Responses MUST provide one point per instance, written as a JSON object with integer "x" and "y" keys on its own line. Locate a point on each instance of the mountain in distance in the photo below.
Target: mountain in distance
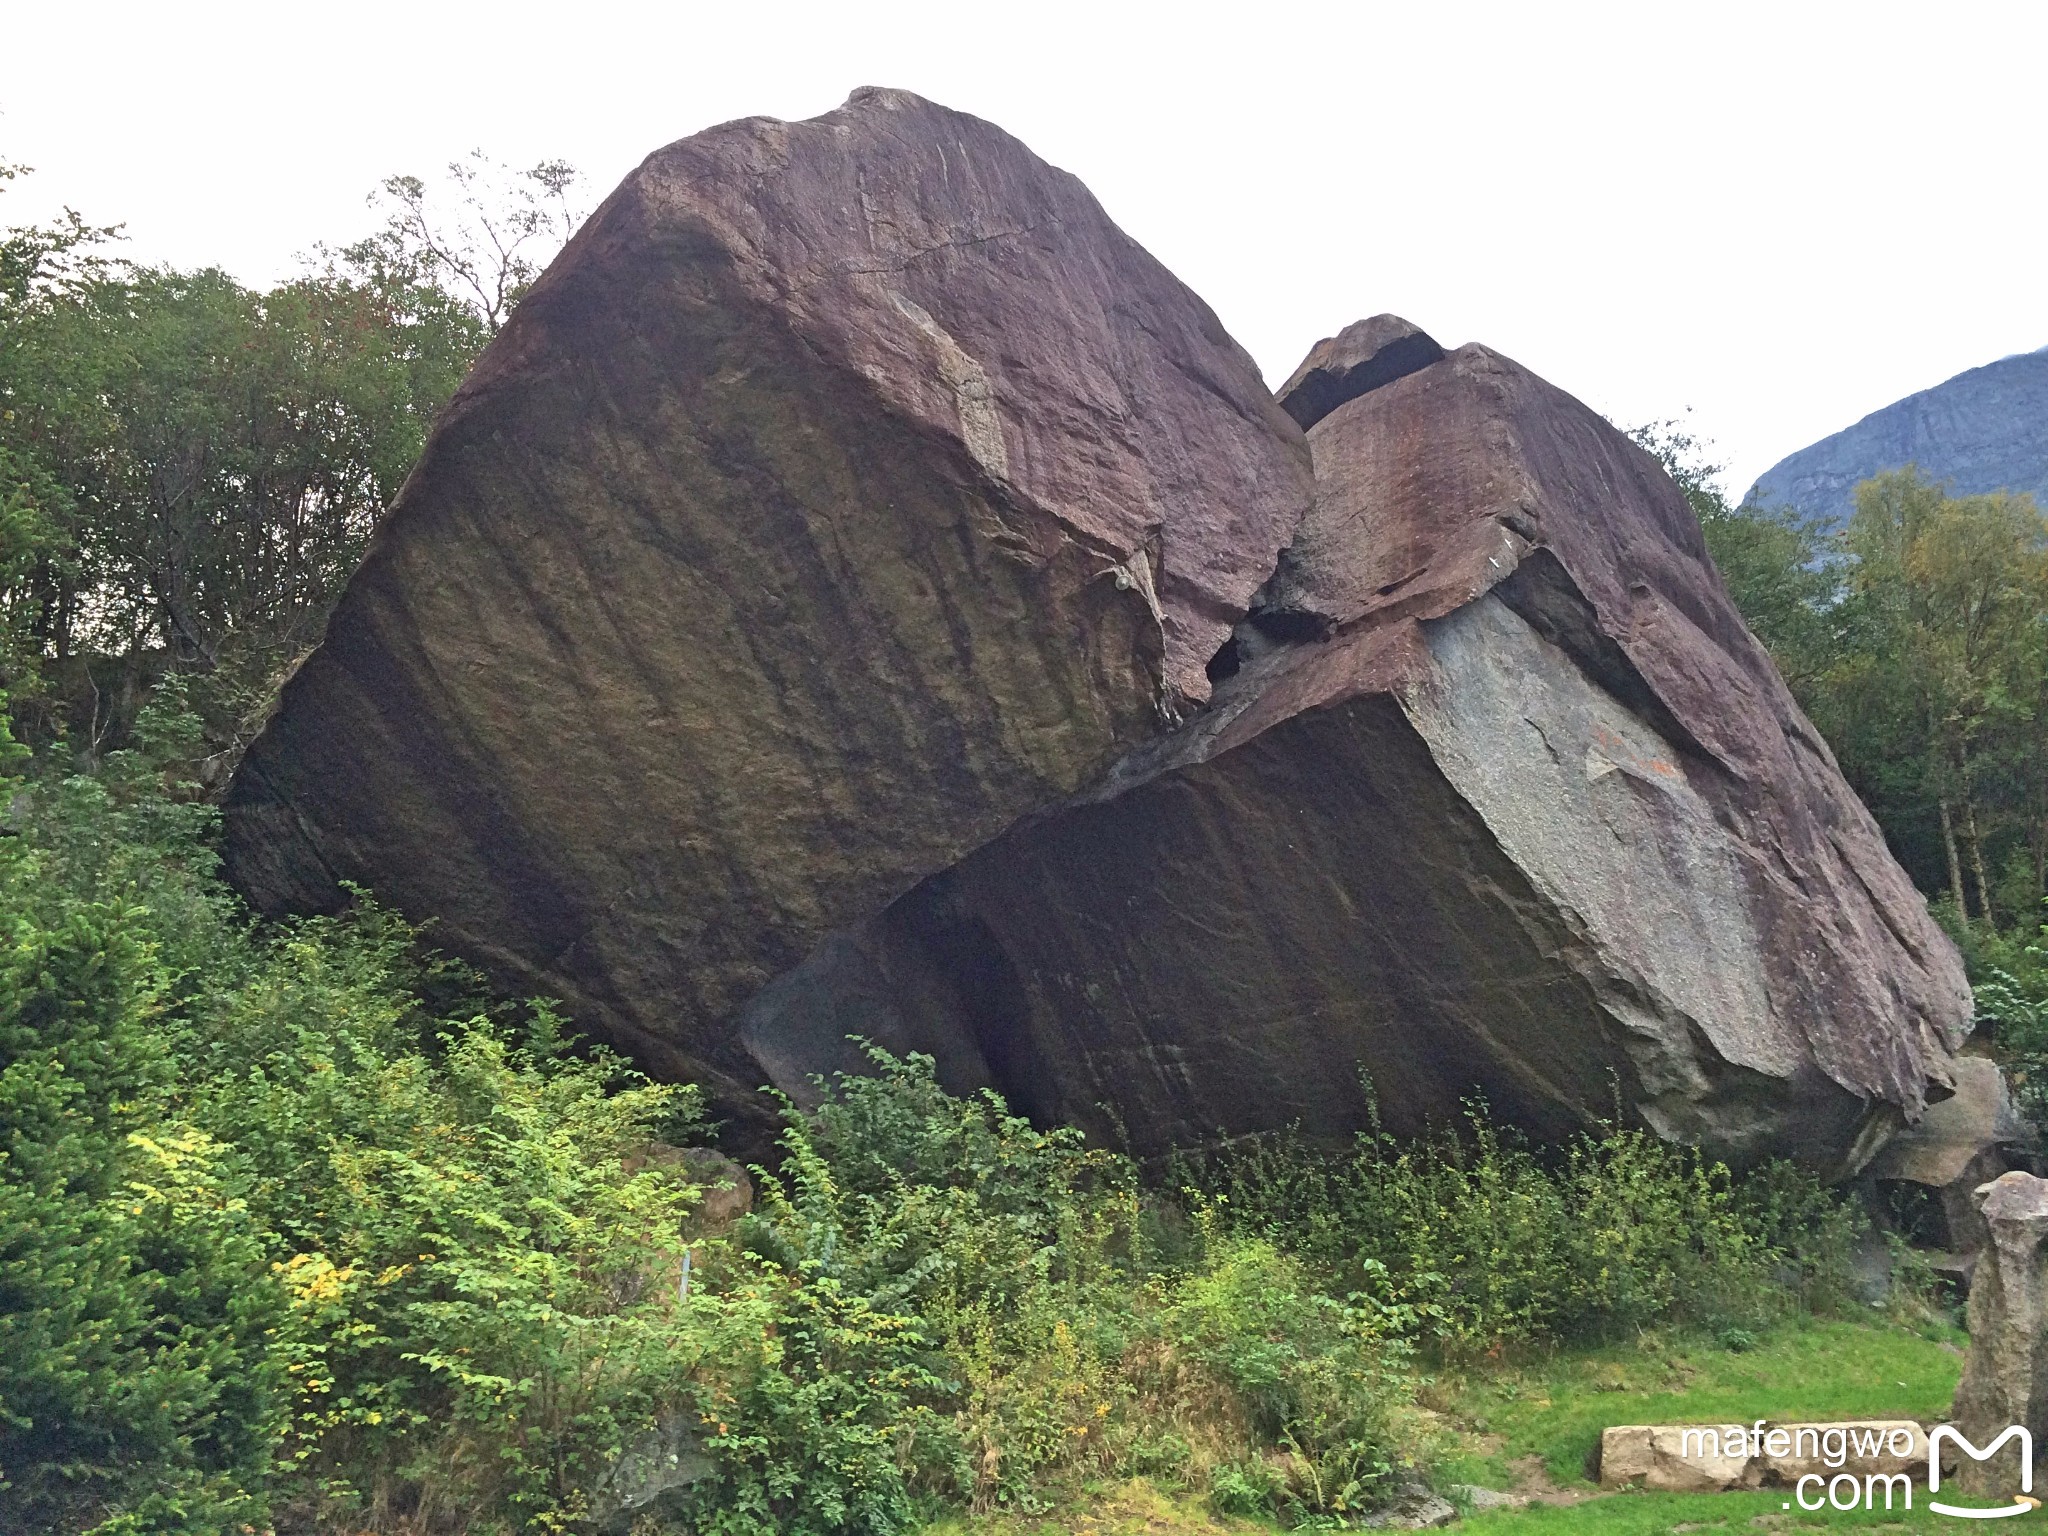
{"x": 1984, "y": 430}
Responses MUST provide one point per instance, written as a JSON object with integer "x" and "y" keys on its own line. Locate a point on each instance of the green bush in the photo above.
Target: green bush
{"x": 1321, "y": 1381}
{"x": 492, "y": 1314}
{"x": 134, "y": 1374}
{"x": 1493, "y": 1245}
{"x": 993, "y": 1284}
{"x": 2010, "y": 972}
{"x": 276, "y": 1232}
{"x": 297, "y": 1226}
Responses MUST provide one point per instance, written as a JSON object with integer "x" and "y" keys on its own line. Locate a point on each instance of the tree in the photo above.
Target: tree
{"x": 189, "y": 468}
{"x": 40, "y": 266}
{"x": 487, "y": 248}
{"x": 221, "y": 456}
{"x": 1934, "y": 682}
{"x": 1777, "y": 566}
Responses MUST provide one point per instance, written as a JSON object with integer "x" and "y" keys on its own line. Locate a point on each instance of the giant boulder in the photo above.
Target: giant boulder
{"x": 846, "y": 490}
{"x": 1500, "y": 795}
{"x": 862, "y": 594}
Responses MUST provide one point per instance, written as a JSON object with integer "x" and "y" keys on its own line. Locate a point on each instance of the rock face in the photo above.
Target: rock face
{"x": 1361, "y": 357}
{"x": 845, "y": 491}
{"x": 2005, "y": 1376}
{"x": 861, "y": 593}
{"x": 1984, "y": 430}
{"x": 1499, "y": 795}
{"x": 1960, "y": 1145}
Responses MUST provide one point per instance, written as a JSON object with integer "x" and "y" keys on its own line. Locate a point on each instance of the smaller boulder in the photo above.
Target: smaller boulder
{"x": 1361, "y": 357}
{"x": 728, "y": 1194}
{"x": 1961, "y": 1143}
{"x": 1673, "y": 1458}
{"x": 2005, "y": 1375}
{"x": 1713, "y": 1458}
{"x": 1880, "y": 1447}
{"x": 1414, "y": 1507}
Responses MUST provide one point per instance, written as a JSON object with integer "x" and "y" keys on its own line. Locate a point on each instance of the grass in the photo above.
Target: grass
{"x": 1500, "y": 1417}
{"x": 1134, "y": 1508}
{"x": 1140, "y": 1509}
{"x": 1554, "y": 1409}
{"x": 1662, "y": 1514}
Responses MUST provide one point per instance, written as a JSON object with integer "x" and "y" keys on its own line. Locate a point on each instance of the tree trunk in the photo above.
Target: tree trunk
{"x": 1977, "y": 858}
{"x": 1955, "y": 864}
{"x": 183, "y": 637}
{"x": 2037, "y": 830}
{"x": 2040, "y": 870}
{"x": 2038, "y": 837}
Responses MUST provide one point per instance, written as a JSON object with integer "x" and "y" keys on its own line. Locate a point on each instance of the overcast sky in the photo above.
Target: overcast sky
{"x": 1778, "y": 217}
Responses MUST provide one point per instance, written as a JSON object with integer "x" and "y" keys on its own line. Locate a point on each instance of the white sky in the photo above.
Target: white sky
{"x": 1780, "y": 217}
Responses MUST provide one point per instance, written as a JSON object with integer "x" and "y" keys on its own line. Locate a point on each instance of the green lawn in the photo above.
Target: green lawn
{"x": 1661, "y": 1514}
{"x": 1139, "y": 1509}
{"x": 1553, "y": 1409}
{"x": 1134, "y": 1508}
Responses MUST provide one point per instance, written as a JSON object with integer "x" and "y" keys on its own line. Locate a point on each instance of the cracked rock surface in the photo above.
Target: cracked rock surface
{"x": 862, "y": 593}
{"x": 1500, "y": 795}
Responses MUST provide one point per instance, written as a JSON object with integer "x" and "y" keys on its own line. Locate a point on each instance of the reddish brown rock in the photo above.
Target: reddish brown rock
{"x": 1535, "y": 817}
{"x": 804, "y": 623}
{"x": 845, "y": 491}
{"x": 1361, "y": 357}
{"x": 1757, "y": 912}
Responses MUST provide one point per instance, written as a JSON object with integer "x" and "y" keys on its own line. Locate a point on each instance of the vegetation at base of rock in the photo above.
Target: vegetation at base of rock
{"x": 1495, "y": 1246}
{"x": 1529, "y": 1426}
{"x": 296, "y": 1227}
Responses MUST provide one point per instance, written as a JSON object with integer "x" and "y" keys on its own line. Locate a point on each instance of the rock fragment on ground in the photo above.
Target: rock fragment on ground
{"x": 1414, "y": 1507}
{"x": 1484, "y": 1499}
{"x": 726, "y": 1192}
{"x": 1715, "y": 1458}
{"x": 654, "y": 1465}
